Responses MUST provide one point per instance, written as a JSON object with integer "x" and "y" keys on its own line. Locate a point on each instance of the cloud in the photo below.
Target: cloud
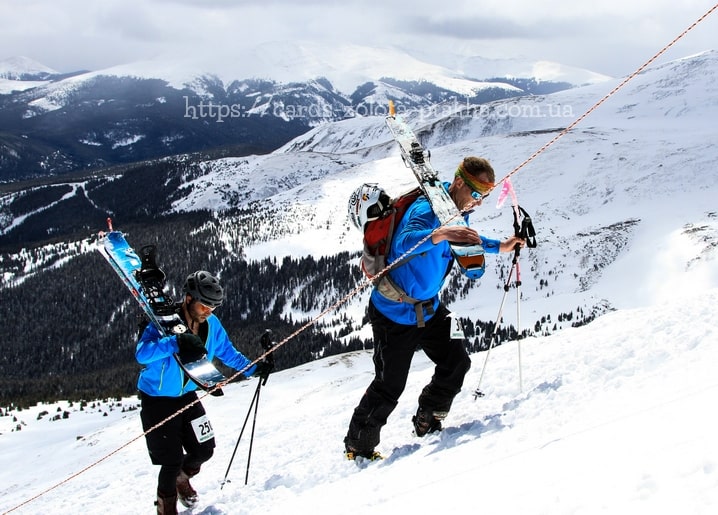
{"x": 136, "y": 25}
{"x": 486, "y": 28}
{"x": 612, "y": 37}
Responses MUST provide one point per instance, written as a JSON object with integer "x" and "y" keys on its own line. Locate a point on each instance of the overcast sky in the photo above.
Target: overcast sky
{"x": 612, "y": 37}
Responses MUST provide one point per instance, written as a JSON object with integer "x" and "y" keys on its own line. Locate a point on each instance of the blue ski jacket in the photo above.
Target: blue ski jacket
{"x": 161, "y": 375}
{"x": 423, "y": 276}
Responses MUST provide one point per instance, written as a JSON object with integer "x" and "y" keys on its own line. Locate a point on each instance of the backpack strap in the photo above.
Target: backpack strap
{"x": 388, "y": 289}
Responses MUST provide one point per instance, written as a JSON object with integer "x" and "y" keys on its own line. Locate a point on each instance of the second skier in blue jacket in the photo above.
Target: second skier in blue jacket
{"x": 180, "y": 444}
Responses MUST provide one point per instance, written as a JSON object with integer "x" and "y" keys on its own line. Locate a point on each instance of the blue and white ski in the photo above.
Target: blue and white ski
{"x": 148, "y": 292}
{"x": 469, "y": 257}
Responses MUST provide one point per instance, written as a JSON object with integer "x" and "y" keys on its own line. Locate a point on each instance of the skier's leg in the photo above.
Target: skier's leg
{"x": 164, "y": 443}
{"x": 197, "y": 439}
{"x": 451, "y": 359}
{"x": 393, "y": 349}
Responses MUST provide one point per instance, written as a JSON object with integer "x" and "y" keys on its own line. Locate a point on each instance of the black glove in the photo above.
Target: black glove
{"x": 190, "y": 344}
{"x": 266, "y": 342}
{"x": 266, "y": 339}
{"x": 264, "y": 368}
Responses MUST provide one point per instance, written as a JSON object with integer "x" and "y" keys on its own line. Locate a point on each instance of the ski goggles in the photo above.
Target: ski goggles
{"x": 206, "y": 307}
{"x": 479, "y": 189}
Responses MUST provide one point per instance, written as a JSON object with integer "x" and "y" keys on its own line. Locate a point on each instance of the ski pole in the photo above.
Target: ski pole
{"x": 518, "y": 317}
{"x": 518, "y": 231}
{"x": 526, "y": 231}
{"x": 528, "y": 234}
{"x": 267, "y": 344}
{"x": 251, "y": 438}
{"x": 478, "y": 393}
{"x": 255, "y": 399}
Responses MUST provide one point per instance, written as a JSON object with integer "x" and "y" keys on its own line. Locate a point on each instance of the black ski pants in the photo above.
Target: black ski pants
{"x": 174, "y": 444}
{"x": 394, "y": 347}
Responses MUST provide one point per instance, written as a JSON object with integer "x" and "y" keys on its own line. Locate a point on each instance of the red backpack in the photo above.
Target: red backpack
{"x": 377, "y": 239}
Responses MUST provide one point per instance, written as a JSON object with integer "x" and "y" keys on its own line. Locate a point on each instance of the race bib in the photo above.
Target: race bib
{"x": 457, "y": 332}
{"x": 202, "y": 429}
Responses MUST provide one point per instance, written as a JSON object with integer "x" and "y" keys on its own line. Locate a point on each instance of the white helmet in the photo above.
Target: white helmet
{"x": 367, "y": 203}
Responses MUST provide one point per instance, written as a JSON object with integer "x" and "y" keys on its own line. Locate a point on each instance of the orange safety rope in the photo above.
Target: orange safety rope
{"x": 608, "y": 95}
{"x": 346, "y": 298}
{"x": 364, "y": 284}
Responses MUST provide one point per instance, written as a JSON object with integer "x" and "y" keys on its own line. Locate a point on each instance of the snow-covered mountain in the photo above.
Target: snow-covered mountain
{"x": 612, "y": 417}
{"x": 21, "y": 68}
{"x": 346, "y": 66}
{"x": 255, "y": 102}
{"x": 631, "y": 188}
{"x": 21, "y": 73}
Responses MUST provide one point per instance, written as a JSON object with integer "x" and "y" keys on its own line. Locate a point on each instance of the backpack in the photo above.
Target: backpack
{"x": 378, "y": 234}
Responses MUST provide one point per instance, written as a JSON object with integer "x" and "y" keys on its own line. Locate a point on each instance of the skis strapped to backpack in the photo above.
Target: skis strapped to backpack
{"x": 146, "y": 282}
{"x": 469, "y": 257}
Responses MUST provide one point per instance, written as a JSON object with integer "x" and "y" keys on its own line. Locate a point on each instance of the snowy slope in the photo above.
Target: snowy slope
{"x": 17, "y": 68}
{"x": 9, "y": 86}
{"x": 633, "y": 184}
{"x": 614, "y": 417}
{"x": 21, "y": 73}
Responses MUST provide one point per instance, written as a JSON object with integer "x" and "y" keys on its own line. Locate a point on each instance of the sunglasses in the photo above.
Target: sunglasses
{"x": 478, "y": 196}
{"x": 479, "y": 189}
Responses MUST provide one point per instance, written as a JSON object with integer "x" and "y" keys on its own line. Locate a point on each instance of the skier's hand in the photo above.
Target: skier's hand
{"x": 266, "y": 342}
{"x": 190, "y": 343}
{"x": 510, "y": 244}
{"x": 266, "y": 339}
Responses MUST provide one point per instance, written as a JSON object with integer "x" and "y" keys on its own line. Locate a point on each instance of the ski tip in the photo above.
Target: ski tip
{"x": 392, "y": 109}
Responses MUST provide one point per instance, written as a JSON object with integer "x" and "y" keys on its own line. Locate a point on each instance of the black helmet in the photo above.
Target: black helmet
{"x": 204, "y": 287}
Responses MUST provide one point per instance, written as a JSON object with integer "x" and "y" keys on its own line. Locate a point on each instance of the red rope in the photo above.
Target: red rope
{"x": 608, "y": 95}
{"x": 366, "y": 283}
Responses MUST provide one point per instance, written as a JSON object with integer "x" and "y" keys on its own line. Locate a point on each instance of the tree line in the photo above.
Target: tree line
{"x": 70, "y": 329}
{"x": 70, "y": 326}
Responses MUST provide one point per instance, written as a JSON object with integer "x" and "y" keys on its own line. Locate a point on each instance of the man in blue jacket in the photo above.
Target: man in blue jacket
{"x": 182, "y": 444}
{"x": 397, "y": 330}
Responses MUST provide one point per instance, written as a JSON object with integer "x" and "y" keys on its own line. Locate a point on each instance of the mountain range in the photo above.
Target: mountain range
{"x": 53, "y": 123}
{"x": 624, "y": 207}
